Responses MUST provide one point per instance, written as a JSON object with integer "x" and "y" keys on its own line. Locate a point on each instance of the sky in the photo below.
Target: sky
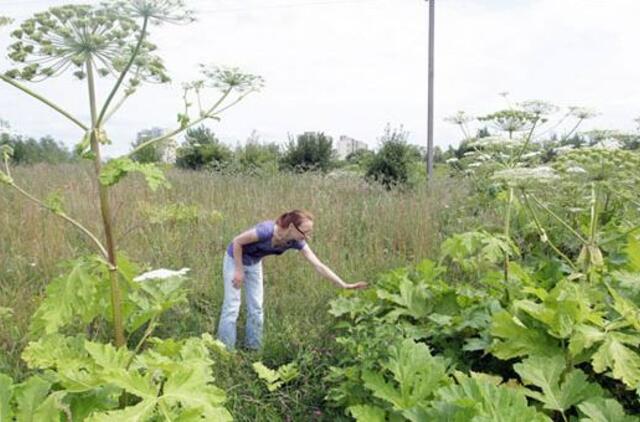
{"x": 349, "y": 67}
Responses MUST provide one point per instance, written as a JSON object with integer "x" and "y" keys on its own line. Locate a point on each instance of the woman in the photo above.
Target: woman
{"x": 243, "y": 266}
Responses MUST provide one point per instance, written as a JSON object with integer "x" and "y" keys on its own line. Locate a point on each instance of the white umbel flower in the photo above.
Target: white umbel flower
{"x": 161, "y": 274}
{"x": 610, "y": 144}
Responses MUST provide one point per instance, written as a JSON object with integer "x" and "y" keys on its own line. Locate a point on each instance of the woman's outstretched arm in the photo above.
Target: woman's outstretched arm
{"x": 326, "y": 272}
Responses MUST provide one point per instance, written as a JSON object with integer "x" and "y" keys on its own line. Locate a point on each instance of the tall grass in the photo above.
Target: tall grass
{"x": 360, "y": 231}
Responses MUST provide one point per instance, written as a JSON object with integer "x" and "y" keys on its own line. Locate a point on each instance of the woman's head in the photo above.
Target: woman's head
{"x": 298, "y": 224}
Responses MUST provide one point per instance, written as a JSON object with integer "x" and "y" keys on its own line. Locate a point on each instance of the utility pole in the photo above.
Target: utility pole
{"x": 430, "y": 95}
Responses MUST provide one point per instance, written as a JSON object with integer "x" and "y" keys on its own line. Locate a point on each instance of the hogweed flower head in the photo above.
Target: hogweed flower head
{"x": 161, "y": 274}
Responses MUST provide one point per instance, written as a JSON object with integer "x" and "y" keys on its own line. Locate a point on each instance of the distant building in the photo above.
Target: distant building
{"x": 167, "y": 147}
{"x": 347, "y": 145}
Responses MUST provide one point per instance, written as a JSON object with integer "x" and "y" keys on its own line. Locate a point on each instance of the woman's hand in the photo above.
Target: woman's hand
{"x": 359, "y": 285}
{"x": 238, "y": 278}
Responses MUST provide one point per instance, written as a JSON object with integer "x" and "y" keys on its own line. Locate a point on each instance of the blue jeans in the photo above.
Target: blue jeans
{"x": 231, "y": 305}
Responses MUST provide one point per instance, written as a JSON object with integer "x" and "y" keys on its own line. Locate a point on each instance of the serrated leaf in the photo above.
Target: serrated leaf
{"x": 584, "y": 337}
{"x": 474, "y": 399}
{"x": 271, "y": 377}
{"x": 546, "y": 374}
{"x": 138, "y": 413}
{"x": 52, "y": 408}
{"x": 6, "y": 384}
{"x": 415, "y": 374}
{"x": 70, "y": 296}
{"x": 599, "y": 409}
{"x": 189, "y": 388}
{"x": 29, "y": 395}
{"x": 623, "y": 361}
{"x": 514, "y": 339}
{"x": 116, "y": 169}
{"x": 633, "y": 253}
{"x": 106, "y": 356}
{"x": 367, "y": 413}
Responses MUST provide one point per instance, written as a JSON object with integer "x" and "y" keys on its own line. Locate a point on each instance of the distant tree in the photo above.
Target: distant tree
{"x": 256, "y": 157}
{"x": 360, "y": 157}
{"x": 310, "y": 151}
{"x": 32, "y": 151}
{"x": 202, "y": 150}
{"x": 153, "y": 153}
{"x": 391, "y": 165}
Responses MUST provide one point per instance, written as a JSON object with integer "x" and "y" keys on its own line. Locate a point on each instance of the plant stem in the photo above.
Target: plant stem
{"x": 143, "y": 32}
{"x": 507, "y": 225}
{"x": 560, "y": 220}
{"x": 207, "y": 115}
{"x": 65, "y": 217}
{"x": 44, "y": 100}
{"x": 147, "y": 333}
{"x": 116, "y": 299}
{"x": 543, "y": 232}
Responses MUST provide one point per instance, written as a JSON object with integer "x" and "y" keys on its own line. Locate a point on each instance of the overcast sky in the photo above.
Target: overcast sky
{"x": 350, "y": 66}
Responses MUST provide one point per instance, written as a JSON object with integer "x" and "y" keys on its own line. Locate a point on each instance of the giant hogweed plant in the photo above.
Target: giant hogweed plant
{"x": 143, "y": 376}
{"x": 562, "y": 323}
{"x": 465, "y": 351}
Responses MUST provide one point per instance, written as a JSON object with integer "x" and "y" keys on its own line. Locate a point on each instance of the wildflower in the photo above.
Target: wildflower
{"x": 524, "y": 175}
{"x": 161, "y": 274}
{"x": 609, "y": 144}
{"x": 530, "y": 155}
{"x": 563, "y": 149}
{"x": 451, "y": 160}
{"x": 576, "y": 170}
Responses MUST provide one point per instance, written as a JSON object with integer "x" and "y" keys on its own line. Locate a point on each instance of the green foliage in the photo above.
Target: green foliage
{"x": 546, "y": 374}
{"x": 479, "y": 398}
{"x": 274, "y": 379}
{"x": 202, "y": 150}
{"x": 391, "y": 165}
{"x": 153, "y": 153}
{"x": 118, "y": 168}
{"x": 258, "y": 158}
{"x": 32, "y": 151}
{"x": 604, "y": 410}
{"x": 310, "y": 151}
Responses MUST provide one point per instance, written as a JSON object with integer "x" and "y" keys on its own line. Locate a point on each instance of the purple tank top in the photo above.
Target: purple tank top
{"x": 252, "y": 253}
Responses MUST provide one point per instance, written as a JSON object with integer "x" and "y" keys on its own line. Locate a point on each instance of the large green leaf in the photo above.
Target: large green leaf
{"x": 141, "y": 412}
{"x": 416, "y": 374}
{"x": 546, "y": 373}
{"x": 116, "y": 169}
{"x": 71, "y": 296}
{"x": 479, "y": 400}
{"x": 599, "y": 409}
{"x": 29, "y": 395}
{"x": 623, "y": 361}
{"x": 367, "y": 413}
{"x": 633, "y": 253}
{"x": 514, "y": 339}
{"x": 6, "y": 384}
{"x": 189, "y": 388}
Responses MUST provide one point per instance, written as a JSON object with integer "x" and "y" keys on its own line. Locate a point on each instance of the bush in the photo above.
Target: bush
{"x": 392, "y": 164}
{"x": 258, "y": 158}
{"x": 151, "y": 153}
{"x": 202, "y": 150}
{"x": 310, "y": 151}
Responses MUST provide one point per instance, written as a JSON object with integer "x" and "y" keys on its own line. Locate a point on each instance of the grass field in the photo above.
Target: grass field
{"x": 360, "y": 231}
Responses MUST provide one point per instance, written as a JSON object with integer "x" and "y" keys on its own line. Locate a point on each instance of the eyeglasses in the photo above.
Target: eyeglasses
{"x": 306, "y": 235}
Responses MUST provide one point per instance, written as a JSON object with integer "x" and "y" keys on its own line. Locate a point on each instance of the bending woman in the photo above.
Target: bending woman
{"x": 243, "y": 266}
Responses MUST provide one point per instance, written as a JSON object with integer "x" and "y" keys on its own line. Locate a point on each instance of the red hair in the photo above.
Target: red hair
{"x": 295, "y": 217}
